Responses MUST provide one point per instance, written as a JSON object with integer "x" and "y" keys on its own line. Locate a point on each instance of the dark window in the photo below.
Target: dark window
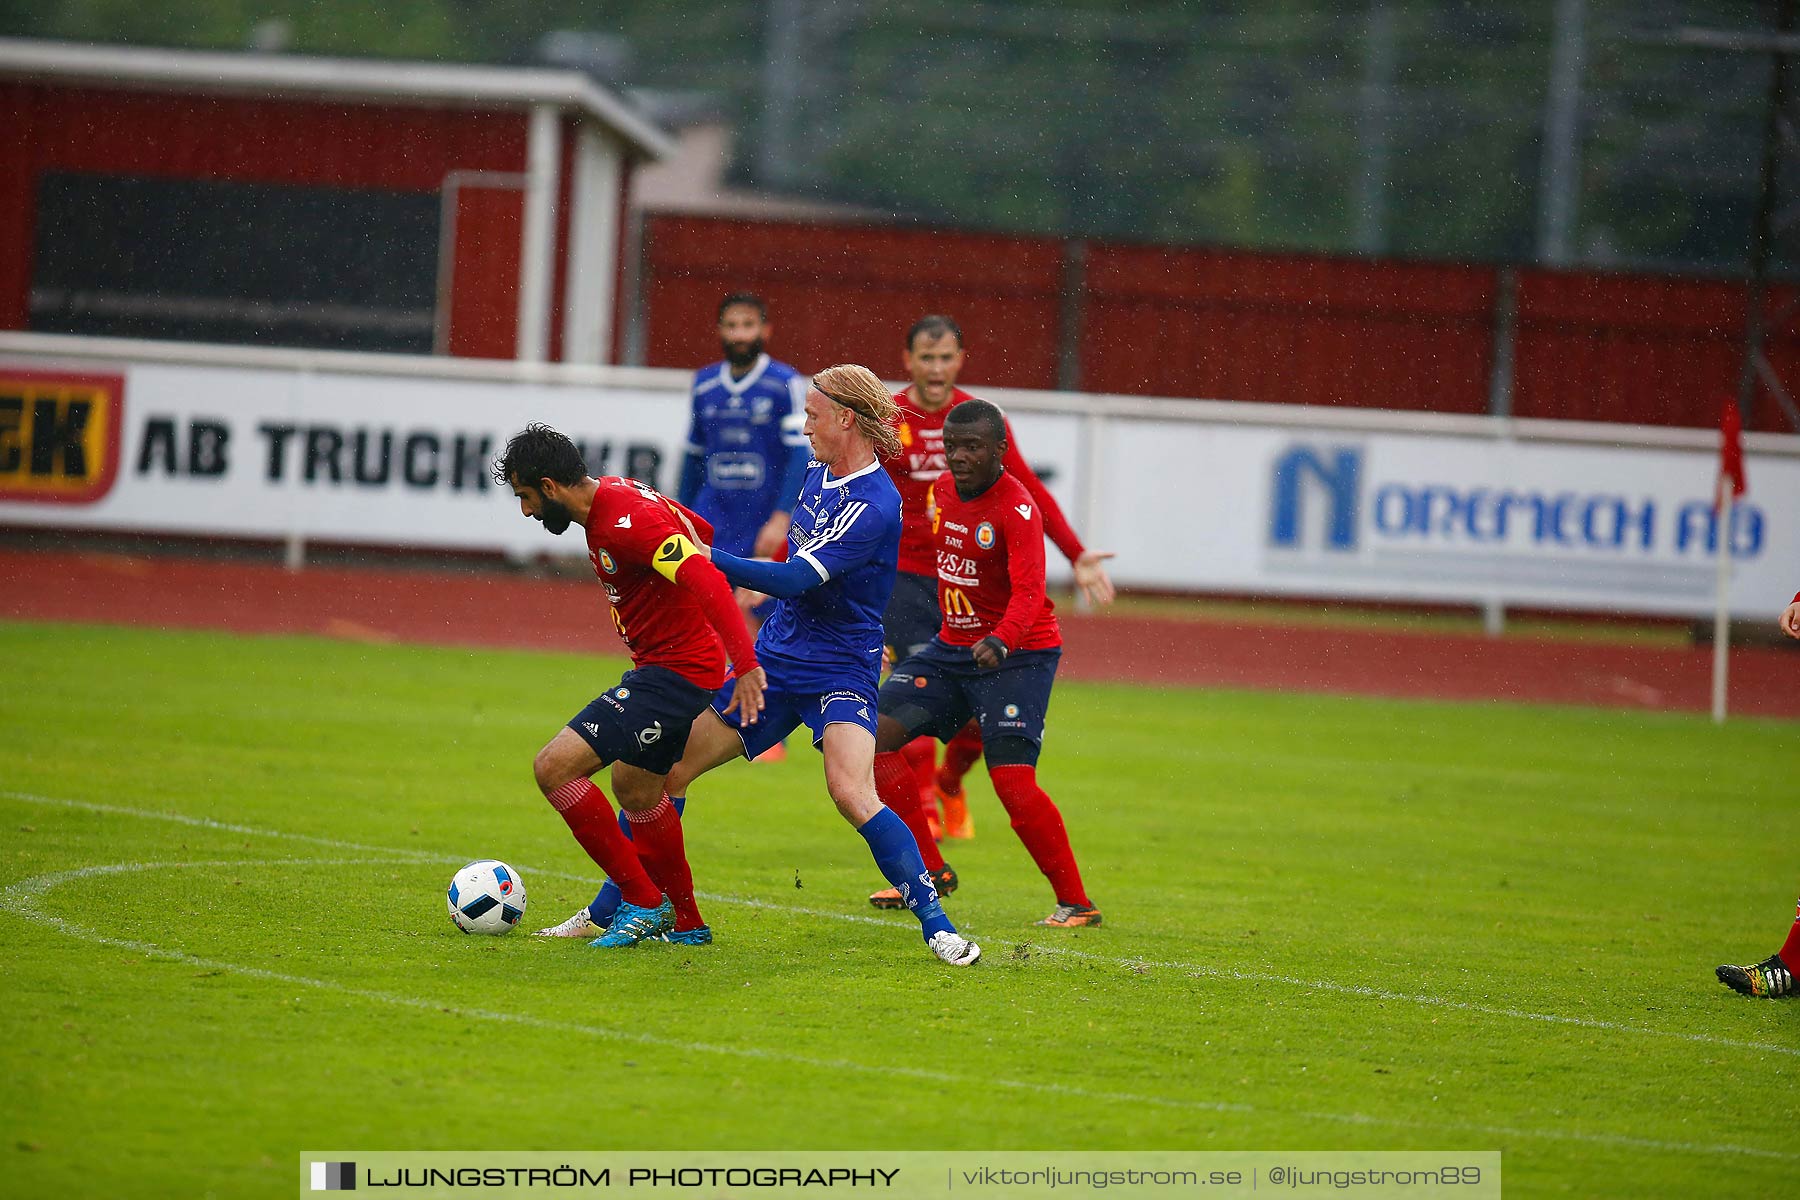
{"x": 201, "y": 260}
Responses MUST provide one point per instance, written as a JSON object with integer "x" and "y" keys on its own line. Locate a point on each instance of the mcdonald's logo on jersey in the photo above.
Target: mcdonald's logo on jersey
{"x": 59, "y": 435}
{"x": 955, "y": 603}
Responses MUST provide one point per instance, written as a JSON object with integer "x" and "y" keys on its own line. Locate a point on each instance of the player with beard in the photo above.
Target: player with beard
{"x": 745, "y": 456}
{"x": 933, "y": 358}
{"x": 674, "y": 611}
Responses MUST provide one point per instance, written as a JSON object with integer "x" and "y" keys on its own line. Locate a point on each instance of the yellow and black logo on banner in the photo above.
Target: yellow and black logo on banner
{"x": 59, "y": 435}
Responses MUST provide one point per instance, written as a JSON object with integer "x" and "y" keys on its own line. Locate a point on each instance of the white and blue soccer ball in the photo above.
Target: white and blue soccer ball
{"x": 487, "y": 897}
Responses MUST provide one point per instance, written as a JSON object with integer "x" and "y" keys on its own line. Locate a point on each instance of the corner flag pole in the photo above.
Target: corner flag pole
{"x": 1721, "y": 665}
{"x": 1729, "y": 487}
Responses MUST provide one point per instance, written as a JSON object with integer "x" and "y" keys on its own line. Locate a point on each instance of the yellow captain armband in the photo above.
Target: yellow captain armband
{"x": 674, "y": 550}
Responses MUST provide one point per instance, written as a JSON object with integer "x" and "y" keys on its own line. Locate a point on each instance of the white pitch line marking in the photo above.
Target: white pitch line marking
{"x": 1201, "y": 969}
{"x": 22, "y": 899}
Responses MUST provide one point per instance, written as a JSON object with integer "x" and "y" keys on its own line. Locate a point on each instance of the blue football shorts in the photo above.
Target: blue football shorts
{"x": 784, "y": 711}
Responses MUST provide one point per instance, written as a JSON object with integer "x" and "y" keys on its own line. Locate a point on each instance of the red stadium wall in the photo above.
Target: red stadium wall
{"x": 1279, "y": 329}
{"x": 103, "y": 131}
{"x": 1217, "y": 324}
{"x": 847, "y": 293}
{"x": 1641, "y": 349}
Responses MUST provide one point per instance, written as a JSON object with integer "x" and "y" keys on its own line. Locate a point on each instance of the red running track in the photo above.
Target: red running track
{"x": 471, "y": 608}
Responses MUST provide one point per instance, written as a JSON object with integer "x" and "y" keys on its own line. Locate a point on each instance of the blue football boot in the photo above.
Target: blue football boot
{"x": 633, "y": 924}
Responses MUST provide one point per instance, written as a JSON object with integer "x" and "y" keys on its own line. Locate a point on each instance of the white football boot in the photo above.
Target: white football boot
{"x": 954, "y": 948}
{"x": 578, "y": 926}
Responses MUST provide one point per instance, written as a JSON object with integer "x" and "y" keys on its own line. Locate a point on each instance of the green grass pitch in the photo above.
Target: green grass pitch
{"x": 1332, "y": 923}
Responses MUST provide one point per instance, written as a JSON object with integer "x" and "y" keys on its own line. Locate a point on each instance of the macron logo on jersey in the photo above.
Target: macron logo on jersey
{"x": 1024, "y": 510}
{"x": 623, "y": 522}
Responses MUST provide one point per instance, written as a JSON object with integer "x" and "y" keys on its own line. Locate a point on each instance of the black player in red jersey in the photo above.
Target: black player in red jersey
{"x": 934, "y": 358}
{"x": 676, "y": 615}
{"x": 994, "y": 658}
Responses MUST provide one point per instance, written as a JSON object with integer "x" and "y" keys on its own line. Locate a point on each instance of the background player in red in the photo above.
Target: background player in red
{"x": 933, "y": 358}
{"x": 675, "y": 613}
{"x": 993, "y": 658}
{"x": 1774, "y": 975}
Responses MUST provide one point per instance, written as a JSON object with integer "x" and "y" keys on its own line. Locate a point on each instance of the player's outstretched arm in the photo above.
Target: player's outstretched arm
{"x": 783, "y": 580}
{"x": 1056, "y": 526}
{"x": 1091, "y": 579}
{"x": 1790, "y": 619}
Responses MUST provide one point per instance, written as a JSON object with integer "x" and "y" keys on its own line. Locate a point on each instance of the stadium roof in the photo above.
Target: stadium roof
{"x": 288, "y": 75}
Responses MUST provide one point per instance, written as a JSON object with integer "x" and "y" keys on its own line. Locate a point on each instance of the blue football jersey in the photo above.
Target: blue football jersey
{"x": 745, "y": 432}
{"x": 848, "y": 530}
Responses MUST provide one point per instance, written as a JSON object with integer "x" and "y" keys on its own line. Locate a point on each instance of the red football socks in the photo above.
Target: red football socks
{"x": 1040, "y": 826}
{"x": 898, "y": 788}
{"x": 961, "y": 754}
{"x": 590, "y": 818}
{"x": 657, "y": 834}
{"x": 921, "y": 759}
{"x": 1790, "y": 949}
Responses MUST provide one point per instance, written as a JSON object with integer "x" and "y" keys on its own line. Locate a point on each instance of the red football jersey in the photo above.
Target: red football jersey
{"x": 990, "y": 567}
{"x": 661, "y": 624}
{"x": 921, "y": 461}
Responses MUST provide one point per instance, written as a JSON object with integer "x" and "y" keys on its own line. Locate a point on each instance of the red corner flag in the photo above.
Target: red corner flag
{"x": 1731, "y": 447}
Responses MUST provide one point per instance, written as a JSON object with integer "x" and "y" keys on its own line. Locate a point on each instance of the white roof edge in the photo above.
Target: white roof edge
{"x": 461, "y": 85}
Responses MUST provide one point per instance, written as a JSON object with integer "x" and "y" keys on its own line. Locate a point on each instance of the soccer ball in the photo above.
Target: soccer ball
{"x": 487, "y": 897}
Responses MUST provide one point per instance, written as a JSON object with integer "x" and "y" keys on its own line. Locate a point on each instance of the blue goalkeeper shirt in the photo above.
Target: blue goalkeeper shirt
{"x": 745, "y": 451}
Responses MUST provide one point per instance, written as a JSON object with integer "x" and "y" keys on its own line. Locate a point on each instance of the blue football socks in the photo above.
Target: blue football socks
{"x": 897, "y": 856}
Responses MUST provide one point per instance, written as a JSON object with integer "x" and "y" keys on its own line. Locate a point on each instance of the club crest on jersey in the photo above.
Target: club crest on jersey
{"x": 1012, "y": 710}
{"x": 622, "y": 693}
{"x": 984, "y": 535}
{"x": 607, "y": 564}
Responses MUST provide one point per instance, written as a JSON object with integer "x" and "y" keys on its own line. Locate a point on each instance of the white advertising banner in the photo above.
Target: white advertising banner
{"x": 1435, "y": 517}
{"x": 347, "y": 458}
{"x": 1214, "y": 503}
